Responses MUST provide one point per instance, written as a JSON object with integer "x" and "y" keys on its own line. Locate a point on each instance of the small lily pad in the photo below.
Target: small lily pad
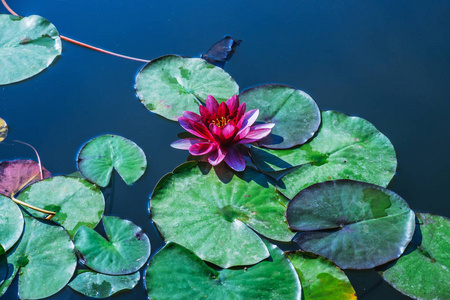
{"x": 75, "y": 201}
{"x": 126, "y": 250}
{"x": 27, "y": 47}
{"x": 294, "y": 113}
{"x": 357, "y": 225}
{"x": 99, "y": 156}
{"x": 172, "y": 84}
{"x": 11, "y": 223}
{"x": 423, "y": 271}
{"x": 100, "y": 286}
{"x": 177, "y": 273}
{"x": 3, "y": 130}
{"x": 320, "y": 277}
{"x": 216, "y": 217}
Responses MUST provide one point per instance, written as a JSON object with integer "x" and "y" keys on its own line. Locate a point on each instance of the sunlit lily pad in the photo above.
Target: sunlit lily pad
{"x": 172, "y": 84}
{"x": 344, "y": 148}
{"x": 423, "y": 271}
{"x": 357, "y": 225}
{"x": 16, "y": 174}
{"x": 126, "y": 250}
{"x": 11, "y": 223}
{"x": 177, "y": 273}
{"x": 295, "y": 114}
{"x": 46, "y": 260}
{"x": 27, "y": 47}
{"x": 218, "y": 220}
{"x": 3, "y": 130}
{"x": 76, "y": 201}
{"x": 98, "y": 157}
{"x": 99, "y": 286}
{"x": 320, "y": 277}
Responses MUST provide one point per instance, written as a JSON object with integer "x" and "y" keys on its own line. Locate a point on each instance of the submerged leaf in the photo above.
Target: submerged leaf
{"x": 11, "y": 223}
{"x": 221, "y": 51}
{"x": 3, "y": 130}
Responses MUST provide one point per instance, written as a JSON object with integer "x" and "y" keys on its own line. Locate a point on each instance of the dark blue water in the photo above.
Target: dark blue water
{"x": 386, "y": 62}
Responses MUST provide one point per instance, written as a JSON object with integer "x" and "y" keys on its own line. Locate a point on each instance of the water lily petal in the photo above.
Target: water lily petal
{"x": 204, "y": 112}
{"x": 217, "y": 156}
{"x": 240, "y": 115}
{"x": 184, "y": 144}
{"x": 202, "y": 148}
{"x": 211, "y": 104}
{"x": 228, "y": 131}
{"x": 223, "y": 110}
{"x": 196, "y": 128}
{"x": 192, "y": 116}
{"x": 256, "y": 133}
{"x": 216, "y": 132}
{"x": 233, "y": 103}
{"x": 235, "y": 159}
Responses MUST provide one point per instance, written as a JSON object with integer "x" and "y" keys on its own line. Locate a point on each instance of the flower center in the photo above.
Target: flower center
{"x": 221, "y": 121}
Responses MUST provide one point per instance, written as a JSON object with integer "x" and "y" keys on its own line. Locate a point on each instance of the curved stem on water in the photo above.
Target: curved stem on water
{"x": 50, "y": 214}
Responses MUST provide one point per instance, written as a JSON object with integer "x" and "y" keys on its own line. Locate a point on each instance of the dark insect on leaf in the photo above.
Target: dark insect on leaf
{"x": 221, "y": 51}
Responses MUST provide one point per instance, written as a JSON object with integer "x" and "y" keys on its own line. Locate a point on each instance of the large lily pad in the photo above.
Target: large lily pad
{"x": 176, "y": 273}
{"x": 295, "y": 114}
{"x": 125, "y": 252}
{"x": 423, "y": 271}
{"x": 355, "y": 224}
{"x": 75, "y": 201}
{"x": 27, "y": 47}
{"x": 344, "y": 148}
{"x": 3, "y": 130}
{"x": 100, "y": 286}
{"x": 11, "y": 223}
{"x": 172, "y": 84}
{"x": 193, "y": 207}
{"x": 16, "y": 174}
{"x": 99, "y": 156}
{"x": 320, "y": 277}
{"x": 46, "y": 260}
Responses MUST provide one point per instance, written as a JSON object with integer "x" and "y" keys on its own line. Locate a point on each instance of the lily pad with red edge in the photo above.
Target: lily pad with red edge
{"x": 11, "y": 223}
{"x": 215, "y": 213}
{"x": 320, "y": 277}
{"x": 423, "y": 271}
{"x": 76, "y": 201}
{"x": 357, "y": 225}
{"x": 3, "y": 130}
{"x": 27, "y": 47}
{"x": 16, "y": 174}
{"x": 126, "y": 250}
{"x": 177, "y": 273}
{"x": 98, "y": 157}
{"x": 172, "y": 84}
{"x": 294, "y": 113}
{"x": 344, "y": 148}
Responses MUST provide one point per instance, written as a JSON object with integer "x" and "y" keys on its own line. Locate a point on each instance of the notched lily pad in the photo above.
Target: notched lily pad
{"x": 355, "y": 224}
{"x": 126, "y": 250}
{"x": 11, "y": 223}
{"x": 27, "y": 47}
{"x": 423, "y": 271}
{"x": 172, "y": 84}
{"x": 100, "y": 286}
{"x": 98, "y": 157}
{"x": 177, "y": 273}
{"x": 3, "y": 130}
{"x": 295, "y": 114}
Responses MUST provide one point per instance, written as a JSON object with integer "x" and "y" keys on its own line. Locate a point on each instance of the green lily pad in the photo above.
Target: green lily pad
{"x": 126, "y": 251}
{"x": 320, "y": 277}
{"x": 99, "y": 286}
{"x": 294, "y": 113}
{"x": 195, "y": 208}
{"x": 355, "y": 224}
{"x": 46, "y": 260}
{"x": 99, "y": 156}
{"x": 27, "y": 47}
{"x": 11, "y": 223}
{"x": 344, "y": 148}
{"x": 172, "y": 84}
{"x": 423, "y": 271}
{"x": 176, "y": 273}
{"x": 76, "y": 201}
{"x": 3, "y": 130}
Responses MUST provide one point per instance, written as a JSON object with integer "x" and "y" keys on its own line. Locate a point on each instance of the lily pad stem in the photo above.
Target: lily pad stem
{"x": 35, "y": 151}
{"x": 51, "y": 214}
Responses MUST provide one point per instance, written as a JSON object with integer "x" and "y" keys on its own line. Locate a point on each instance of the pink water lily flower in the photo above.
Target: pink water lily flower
{"x": 220, "y": 131}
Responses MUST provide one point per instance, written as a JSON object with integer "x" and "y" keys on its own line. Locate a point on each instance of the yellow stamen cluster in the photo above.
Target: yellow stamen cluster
{"x": 221, "y": 121}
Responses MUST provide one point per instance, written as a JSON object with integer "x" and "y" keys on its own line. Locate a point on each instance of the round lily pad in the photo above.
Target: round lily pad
{"x": 11, "y": 223}
{"x": 177, "y": 273}
{"x": 27, "y": 47}
{"x": 126, "y": 250}
{"x": 46, "y": 260}
{"x": 97, "y": 285}
{"x": 357, "y": 225}
{"x": 3, "y": 130}
{"x": 344, "y": 148}
{"x": 423, "y": 271}
{"x": 99, "y": 156}
{"x": 75, "y": 201}
{"x": 217, "y": 218}
{"x": 294, "y": 113}
{"x": 172, "y": 84}
{"x": 320, "y": 277}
